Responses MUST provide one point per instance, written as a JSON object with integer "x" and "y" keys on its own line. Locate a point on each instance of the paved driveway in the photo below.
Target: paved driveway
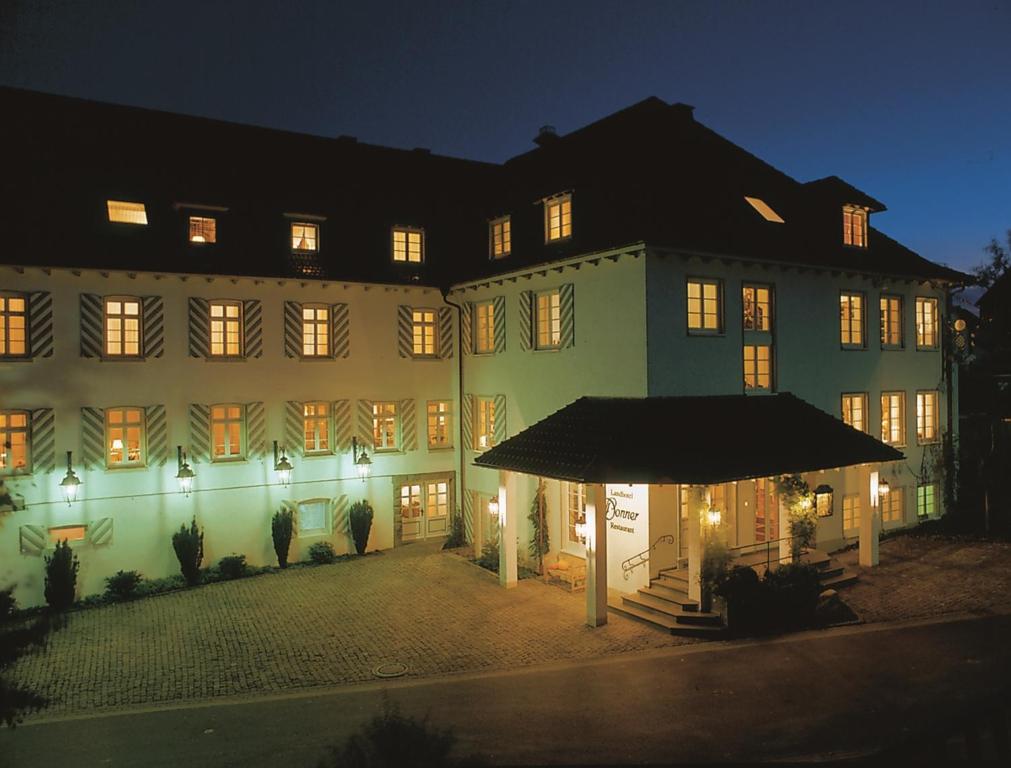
{"x": 326, "y": 625}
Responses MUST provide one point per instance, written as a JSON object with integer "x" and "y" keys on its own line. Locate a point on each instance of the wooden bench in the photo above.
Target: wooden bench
{"x": 567, "y": 570}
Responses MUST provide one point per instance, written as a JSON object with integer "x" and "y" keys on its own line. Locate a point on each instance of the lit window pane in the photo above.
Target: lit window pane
{"x": 126, "y": 213}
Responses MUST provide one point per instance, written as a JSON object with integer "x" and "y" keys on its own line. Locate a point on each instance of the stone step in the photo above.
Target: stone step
{"x": 830, "y": 572}
{"x": 657, "y": 605}
{"x": 674, "y": 596}
{"x": 678, "y": 579}
{"x": 666, "y": 622}
{"x": 837, "y": 582}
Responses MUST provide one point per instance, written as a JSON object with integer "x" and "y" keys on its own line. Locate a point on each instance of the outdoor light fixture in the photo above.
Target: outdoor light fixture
{"x": 960, "y": 325}
{"x": 713, "y": 516}
{"x": 282, "y": 466}
{"x": 493, "y": 505}
{"x": 883, "y": 488}
{"x": 185, "y": 475}
{"x": 71, "y": 483}
{"x": 362, "y": 461}
{"x": 581, "y": 527}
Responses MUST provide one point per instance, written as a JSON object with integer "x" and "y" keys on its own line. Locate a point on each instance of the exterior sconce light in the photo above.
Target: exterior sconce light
{"x": 185, "y": 475}
{"x": 959, "y": 325}
{"x": 362, "y": 461}
{"x": 713, "y": 516}
{"x": 493, "y": 506}
{"x": 282, "y": 466}
{"x": 883, "y": 488}
{"x": 71, "y": 483}
{"x": 580, "y": 527}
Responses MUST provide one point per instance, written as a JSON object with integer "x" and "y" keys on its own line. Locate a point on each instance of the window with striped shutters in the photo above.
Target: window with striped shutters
{"x": 91, "y": 325}
{"x": 341, "y": 330}
{"x": 40, "y": 324}
{"x": 500, "y": 324}
{"x": 408, "y": 425}
{"x": 445, "y": 332}
{"x": 343, "y": 425}
{"x": 153, "y": 323}
{"x": 526, "y": 320}
{"x": 43, "y": 440}
{"x": 93, "y": 438}
{"x": 200, "y": 433}
{"x": 199, "y": 327}
{"x": 467, "y": 327}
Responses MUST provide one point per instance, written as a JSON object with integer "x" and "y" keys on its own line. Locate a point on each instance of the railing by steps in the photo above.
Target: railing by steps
{"x": 642, "y": 558}
{"x": 759, "y": 546}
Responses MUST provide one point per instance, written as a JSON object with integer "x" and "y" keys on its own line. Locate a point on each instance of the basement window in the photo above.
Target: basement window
{"x": 126, "y": 213}
{"x": 764, "y": 209}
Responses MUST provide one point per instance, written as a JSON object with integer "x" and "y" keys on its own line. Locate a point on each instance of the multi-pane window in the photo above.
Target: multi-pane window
{"x": 315, "y": 331}
{"x": 892, "y": 506}
{"x": 926, "y": 417}
{"x": 13, "y": 325}
{"x": 408, "y": 245}
{"x": 226, "y": 328}
{"x": 851, "y": 319}
{"x": 893, "y": 418}
{"x": 384, "y": 426}
{"x": 558, "y": 218}
{"x": 854, "y": 226}
{"x": 548, "y": 319}
{"x": 312, "y": 516}
{"x": 484, "y": 327}
{"x": 437, "y": 499}
{"x": 757, "y": 308}
{"x": 14, "y": 445}
{"x": 317, "y": 427}
{"x": 500, "y": 237}
{"x": 891, "y": 321}
{"x": 226, "y": 432}
{"x": 926, "y": 500}
{"x": 926, "y": 322}
{"x": 575, "y": 505}
{"x": 705, "y": 311}
{"x": 410, "y": 501}
{"x": 440, "y": 424}
{"x": 122, "y": 327}
{"x": 484, "y": 423}
{"x": 126, "y": 213}
{"x": 757, "y": 366}
{"x": 823, "y": 504}
{"x": 304, "y": 237}
{"x": 851, "y": 512}
{"x": 424, "y": 332}
{"x": 124, "y": 437}
{"x": 203, "y": 229}
{"x": 854, "y": 410}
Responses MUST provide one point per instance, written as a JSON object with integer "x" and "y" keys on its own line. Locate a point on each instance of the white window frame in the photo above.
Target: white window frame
{"x": 855, "y": 226}
{"x": 484, "y": 422}
{"x": 227, "y": 420}
{"x": 928, "y": 401}
{"x": 759, "y": 318}
{"x": 558, "y": 208}
{"x": 122, "y": 427}
{"x": 701, "y": 329}
{"x": 317, "y": 428}
{"x": 848, "y": 325}
{"x": 500, "y": 237}
{"x": 307, "y": 234}
{"x": 7, "y": 430}
{"x": 893, "y": 506}
{"x": 408, "y": 234}
{"x": 315, "y": 330}
{"x": 755, "y": 383}
{"x": 222, "y": 324}
{"x": 123, "y": 319}
{"x": 324, "y": 529}
{"x": 922, "y": 327}
{"x": 573, "y": 504}
{"x": 847, "y": 400}
{"x": 484, "y": 327}
{"x": 851, "y": 511}
{"x": 552, "y": 325}
{"x": 382, "y": 414}
{"x": 439, "y": 418}
{"x": 424, "y": 332}
{"x": 6, "y": 315}
{"x": 927, "y": 492}
{"x": 887, "y": 419}
{"x": 891, "y": 320}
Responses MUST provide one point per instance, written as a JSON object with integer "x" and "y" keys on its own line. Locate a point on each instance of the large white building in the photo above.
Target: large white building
{"x": 171, "y": 283}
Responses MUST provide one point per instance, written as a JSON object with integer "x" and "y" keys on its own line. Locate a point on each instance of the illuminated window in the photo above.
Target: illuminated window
{"x": 926, "y": 500}
{"x": 317, "y": 427}
{"x": 437, "y": 499}
{"x": 558, "y": 218}
{"x": 764, "y": 209}
{"x": 926, "y": 417}
{"x": 705, "y": 306}
{"x": 408, "y": 245}
{"x": 124, "y": 437}
{"x": 851, "y": 512}
{"x": 67, "y": 533}
{"x": 854, "y": 410}
{"x": 315, "y": 330}
{"x": 304, "y": 237}
{"x": 226, "y": 328}
{"x": 926, "y": 323}
{"x": 851, "y": 319}
{"x": 757, "y": 366}
{"x": 500, "y": 237}
{"x": 440, "y": 434}
{"x": 484, "y": 431}
{"x": 891, "y": 321}
{"x": 757, "y": 305}
{"x": 892, "y": 506}
{"x": 384, "y": 426}
{"x": 548, "y": 319}
{"x": 410, "y": 501}
{"x": 122, "y": 327}
{"x": 226, "y": 432}
{"x": 14, "y": 442}
{"x": 823, "y": 504}
{"x": 423, "y": 325}
{"x": 126, "y": 213}
{"x": 13, "y": 325}
{"x": 203, "y": 229}
{"x": 313, "y": 517}
{"x": 484, "y": 327}
{"x": 575, "y": 506}
{"x": 854, "y": 226}
{"x": 893, "y": 418}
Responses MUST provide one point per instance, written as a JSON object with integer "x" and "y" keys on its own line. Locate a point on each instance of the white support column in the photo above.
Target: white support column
{"x": 870, "y": 524}
{"x": 696, "y": 500}
{"x": 785, "y": 553}
{"x": 596, "y": 555}
{"x": 508, "y": 511}
{"x": 478, "y": 521}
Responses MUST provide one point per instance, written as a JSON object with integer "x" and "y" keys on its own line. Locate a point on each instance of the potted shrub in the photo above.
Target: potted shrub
{"x": 188, "y": 544}
{"x": 61, "y": 576}
{"x": 360, "y": 517}
{"x": 280, "y": 530}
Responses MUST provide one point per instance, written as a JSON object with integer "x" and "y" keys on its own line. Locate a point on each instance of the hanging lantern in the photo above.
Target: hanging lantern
{"x": 71, "y": 483}
{"x": 282, "y": 466}
{"x": 185, "y": 474}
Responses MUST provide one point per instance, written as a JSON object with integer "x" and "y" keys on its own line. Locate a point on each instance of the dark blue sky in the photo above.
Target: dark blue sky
{"x": 909, "y": 101}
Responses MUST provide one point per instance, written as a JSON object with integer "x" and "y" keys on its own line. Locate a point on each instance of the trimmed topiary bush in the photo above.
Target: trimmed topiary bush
{"x": 61, "y": 576}
{"x": 122, "y": 585}
{"x": 232, "y": 566}
{"x": 281, "y": 527}
{"x": 322, "y": 552}
{"x": 360, "y": 518}
{"x": 489, "y": 556}
{"x": 188, "y": 544}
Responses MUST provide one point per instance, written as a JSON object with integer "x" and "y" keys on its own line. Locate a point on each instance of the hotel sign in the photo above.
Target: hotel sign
{"x": 620, "y": 515}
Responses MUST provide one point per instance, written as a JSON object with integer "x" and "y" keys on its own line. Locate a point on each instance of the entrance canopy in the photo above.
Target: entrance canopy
{"x": 692, "y": 440}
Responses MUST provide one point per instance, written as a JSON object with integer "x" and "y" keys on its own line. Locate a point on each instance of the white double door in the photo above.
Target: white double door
{"x": 424, "y": 509}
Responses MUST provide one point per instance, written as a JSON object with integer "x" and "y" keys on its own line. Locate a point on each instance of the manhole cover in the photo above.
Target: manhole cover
{"x": 390, "y": 669}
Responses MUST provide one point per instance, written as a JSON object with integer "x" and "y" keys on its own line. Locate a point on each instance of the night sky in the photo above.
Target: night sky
{"x": 908, "y": 101}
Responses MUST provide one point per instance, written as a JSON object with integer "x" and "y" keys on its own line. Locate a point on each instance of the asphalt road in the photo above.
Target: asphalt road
{"x": 835, "y": 694}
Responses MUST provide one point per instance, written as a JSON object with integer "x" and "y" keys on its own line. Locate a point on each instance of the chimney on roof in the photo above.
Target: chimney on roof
{"x": 684, "y": 111}
{"x": 545, "y": 136}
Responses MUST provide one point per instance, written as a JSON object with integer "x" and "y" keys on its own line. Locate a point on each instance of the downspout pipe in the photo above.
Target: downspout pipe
{"x": 459, "y": 378}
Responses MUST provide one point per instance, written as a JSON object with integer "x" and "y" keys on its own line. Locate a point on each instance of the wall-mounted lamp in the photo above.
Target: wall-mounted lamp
{"x": 71, "y": 483}
{"x": 713, "y": 517}
{"x": 185, "y": 475}
{"x": 282, "y": 466}
{"x": 363, "y": 464}
{"x": 580, "y": 527}
{"x": 493, "y": 506}
{"x": 883, "y": 488}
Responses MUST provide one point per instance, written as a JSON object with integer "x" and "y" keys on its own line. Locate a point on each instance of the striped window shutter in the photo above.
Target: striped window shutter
{"x": 256, "y": 431}
{"x": 34, "y": 540}
{"x": 340, "y": 507}
{"x": 199, "y": 328}
{"x": 366, "y": 436}
{"x": 43, "y": 440}
{"x": 408, "y": 425}
{"x": 567, "y": 306}
{"x": 467, "y": 327}
{"x": 252, "y": 328}
{"x": 526, "y": 320}
{"x": 468, "y": 514}
{"x": 154, "y": 326}
{"x": 292, "y": 329}
{"x": 340, "y": 331}
{"x": 445, "y": 332}
{"x": 467, "y": 421}
{"x": 91, "y": 325}
{"x": 405, "y": 332}
{"x": 294, "y": 428}
{"x": 100, "y": 532}
{"x": 500, "y": 433}
{"x": 500, "y": 324}
{"x": 157, "y": 435}
{"x": 40, "y": 324}
{"x": 200, "y": 433}
{"x": 342, "y": 425}
{"x": 93, "y": 438}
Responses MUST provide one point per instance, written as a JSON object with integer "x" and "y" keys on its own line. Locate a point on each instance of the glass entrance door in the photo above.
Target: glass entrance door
{"x": 424, "y": 509}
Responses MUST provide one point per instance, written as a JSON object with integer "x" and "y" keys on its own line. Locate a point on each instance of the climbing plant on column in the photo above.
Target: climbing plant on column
{"x": 540, "y": 544}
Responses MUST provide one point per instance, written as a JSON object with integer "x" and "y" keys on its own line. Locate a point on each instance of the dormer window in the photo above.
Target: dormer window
{"x": 854, "y": 227}
{"x": 557, "y": 218}
{"x": 764, "y": 209}
{"x": 304, "y": 237}
{"x": 408, "y": 245}
{"x": 500, "y": 237}
{"x": 203, "y": 229}
{"x": 123, "y": 212}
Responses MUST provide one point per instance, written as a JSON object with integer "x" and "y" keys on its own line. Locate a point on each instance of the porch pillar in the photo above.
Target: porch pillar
{"x": 696, "y": 502}
{"x": 478, "y": 522}
{"x": 508, "y": 510}
{"x": 785, "y": 552}
{"x": 596, "y": 555}
{"x": 870, "y": 524}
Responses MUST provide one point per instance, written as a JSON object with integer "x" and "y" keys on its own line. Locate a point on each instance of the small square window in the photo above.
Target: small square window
{"x": 203, "y": 229}
{"x": 304, "y": 237}
{"x": 408, "y": 245}
{"x": 705, "y": 306}
{"x": 313, "y": 517}
{"x": 126, "y": 213}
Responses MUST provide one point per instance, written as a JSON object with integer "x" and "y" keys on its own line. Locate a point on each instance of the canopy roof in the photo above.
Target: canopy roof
{"x": 697, "y": 440}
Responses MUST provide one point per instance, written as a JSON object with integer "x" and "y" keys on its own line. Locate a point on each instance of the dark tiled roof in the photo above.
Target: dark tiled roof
{"x": 698, "y": 440}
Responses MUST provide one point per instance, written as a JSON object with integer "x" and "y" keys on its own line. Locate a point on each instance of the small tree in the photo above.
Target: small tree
{"x": 280, "y": 530}
{"x": 61, "y": 576}
{"x": 360, "y": 517}
{"x": 539, "y": 543}
{"x": 189, "y": 547}
{"x": 796, "y": 496}
{"x": 998, "y": 262}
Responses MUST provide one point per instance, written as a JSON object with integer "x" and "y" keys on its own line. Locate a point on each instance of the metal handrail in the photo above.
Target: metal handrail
{"x": 642, "y": 558}
{"x": 757, "y": 547}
